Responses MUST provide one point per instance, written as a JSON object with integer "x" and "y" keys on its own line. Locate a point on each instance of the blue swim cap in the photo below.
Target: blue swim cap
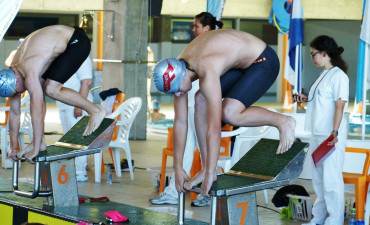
{"x": 7, "y": 83}
{"x": 168, "y": 75}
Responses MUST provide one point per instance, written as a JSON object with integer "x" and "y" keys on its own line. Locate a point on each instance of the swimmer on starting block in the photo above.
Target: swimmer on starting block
{"x": 231, "y": 65}
{"x": 45, "y": 60}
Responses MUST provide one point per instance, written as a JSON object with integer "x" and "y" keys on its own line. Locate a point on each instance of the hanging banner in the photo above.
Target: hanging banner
{"x": 8, "y": 11}
{"x": 365, "y": 27}
{"x": 280, "y": 15}
{"x": 293, "y": 71}
{"x": 216, "y": 8}
{"x": 363, "y": 58}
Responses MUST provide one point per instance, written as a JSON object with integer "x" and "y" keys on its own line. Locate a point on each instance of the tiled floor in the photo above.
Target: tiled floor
{"x": 147, "y": 154}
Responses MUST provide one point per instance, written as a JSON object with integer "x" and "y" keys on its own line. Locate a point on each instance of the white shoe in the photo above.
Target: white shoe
{"x": 164, "y": 198}
{"x": 81, "y": 178}
{"x": 310, "y": 223}
{"x": 201, "y": 201}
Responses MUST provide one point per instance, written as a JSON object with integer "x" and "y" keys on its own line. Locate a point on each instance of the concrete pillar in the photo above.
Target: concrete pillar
{"x": 129, "y": 44}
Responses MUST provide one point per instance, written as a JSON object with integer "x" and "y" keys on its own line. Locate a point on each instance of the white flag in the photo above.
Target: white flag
{"x": 365, "y": 27}
{"x": 8, "y": 11}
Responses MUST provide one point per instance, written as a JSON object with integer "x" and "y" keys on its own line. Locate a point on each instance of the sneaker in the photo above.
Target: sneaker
{"x": 201, "y": 201}
{"x": 164, "y": 198}
{"x": 81, "y": 178}
{"x": 310, "y": 223}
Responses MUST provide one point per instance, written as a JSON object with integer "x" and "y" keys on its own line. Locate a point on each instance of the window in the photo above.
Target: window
{"x": 261, "y": 29}
{"x": 181, "y": 30}
{"x": 26, "y": 23}
{"x": 228, "y": 23}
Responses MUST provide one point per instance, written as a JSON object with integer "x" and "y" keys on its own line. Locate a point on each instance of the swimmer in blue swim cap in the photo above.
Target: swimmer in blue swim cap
{"x": 234, "y": 69}
{"x": 45, "y": 60}
{"x": 168, "y": 75}
{"x": 7, "y": 83}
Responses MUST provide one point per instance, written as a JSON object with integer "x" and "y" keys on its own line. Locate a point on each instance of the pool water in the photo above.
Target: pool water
{"x": 355, "y": 125}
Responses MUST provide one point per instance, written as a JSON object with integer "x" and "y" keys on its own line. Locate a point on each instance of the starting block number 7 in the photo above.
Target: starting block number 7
{"x": 244, "y": 205}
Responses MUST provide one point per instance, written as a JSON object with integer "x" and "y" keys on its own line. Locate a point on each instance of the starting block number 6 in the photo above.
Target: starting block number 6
{"x": 62, "y": 175}
{"x": 244, "y": 205}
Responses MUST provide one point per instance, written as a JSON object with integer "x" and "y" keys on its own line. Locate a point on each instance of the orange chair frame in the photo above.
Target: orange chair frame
{"x": 197, "y": 165}
{"x": 361, "y": 182}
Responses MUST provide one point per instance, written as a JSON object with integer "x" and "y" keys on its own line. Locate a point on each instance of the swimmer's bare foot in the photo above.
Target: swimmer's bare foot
{"x": 207, "y": 184}
{"x": 286, "y": 130}
{"x": 95, "y": 120}
{"x": 29, "y": 148}
{"x": 31, "y": 156}
{"x": 197, "y": 180}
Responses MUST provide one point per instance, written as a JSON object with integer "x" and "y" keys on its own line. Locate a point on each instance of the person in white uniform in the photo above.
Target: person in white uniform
{"x": 327, "y": 102}
{"x": 70, "y": 115}
{"x": 203, "y": 22}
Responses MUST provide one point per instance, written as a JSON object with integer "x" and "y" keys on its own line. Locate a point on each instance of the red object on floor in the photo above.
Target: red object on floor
{"x": 87, "y": 200}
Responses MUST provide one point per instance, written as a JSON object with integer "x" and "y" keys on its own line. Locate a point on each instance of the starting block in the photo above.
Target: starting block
{"x": 233, "y": 195}
{"x": 55, "y": 168}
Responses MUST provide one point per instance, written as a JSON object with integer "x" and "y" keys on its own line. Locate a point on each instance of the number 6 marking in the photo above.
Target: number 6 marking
{"x": 244, "y": 212}
{"x": 62, "y": 175}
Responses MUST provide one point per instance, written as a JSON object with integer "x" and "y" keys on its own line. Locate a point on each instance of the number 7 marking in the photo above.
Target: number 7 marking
{"x": 244, "y": 212}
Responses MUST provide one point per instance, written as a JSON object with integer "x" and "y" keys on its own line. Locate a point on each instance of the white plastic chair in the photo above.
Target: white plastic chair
{"x": 127, "y": 111}
{"x": 26, "y": 126}
{"x": 243, "y": 134}
{"x": 4, "y": 136}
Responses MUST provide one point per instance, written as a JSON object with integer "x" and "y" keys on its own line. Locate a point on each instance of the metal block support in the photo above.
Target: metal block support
{"x": 46, "y": 182}
{"x": 234, "y": 194}
{"x": 62, "y": 180}
{"x": 181, "y": 209}
{"x": 237, "y": 209}
{"x": 55, "y": 168}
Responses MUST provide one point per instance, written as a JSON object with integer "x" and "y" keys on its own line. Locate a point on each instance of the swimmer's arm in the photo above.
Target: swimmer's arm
{"x": 33, "y": 85}
{"x": 211, "y": 89}
{"x": 14, "y": 120}
{"x": 84, "y": 92}
{"x": 180, "y": 129}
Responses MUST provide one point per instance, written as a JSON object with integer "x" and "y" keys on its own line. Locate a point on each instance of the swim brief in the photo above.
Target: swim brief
{"x": 67, "y": 63}
{"x": 250, "y": 84}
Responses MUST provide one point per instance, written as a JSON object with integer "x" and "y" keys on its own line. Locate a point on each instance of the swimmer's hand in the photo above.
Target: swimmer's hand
{"x": 180, "y": 179}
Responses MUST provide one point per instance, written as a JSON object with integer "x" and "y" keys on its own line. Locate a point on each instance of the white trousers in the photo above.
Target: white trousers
{"x": 191, "y": 144}
{"x": 68, "y": 121}
{"x": 328, "y": 184}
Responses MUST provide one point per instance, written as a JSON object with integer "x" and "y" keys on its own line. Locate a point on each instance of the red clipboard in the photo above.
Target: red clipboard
{"x": 323, "y": 151}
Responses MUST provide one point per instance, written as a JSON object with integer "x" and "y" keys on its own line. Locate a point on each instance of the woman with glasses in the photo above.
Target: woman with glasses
{"x": 327, "y": 101}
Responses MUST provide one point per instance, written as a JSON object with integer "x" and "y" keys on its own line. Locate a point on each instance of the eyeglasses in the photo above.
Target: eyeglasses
{"x": 314, "y": 53}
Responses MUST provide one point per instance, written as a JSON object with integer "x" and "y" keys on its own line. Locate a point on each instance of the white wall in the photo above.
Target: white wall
{"x": 317, "y": 9}
{"x": 61, "y": 5}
